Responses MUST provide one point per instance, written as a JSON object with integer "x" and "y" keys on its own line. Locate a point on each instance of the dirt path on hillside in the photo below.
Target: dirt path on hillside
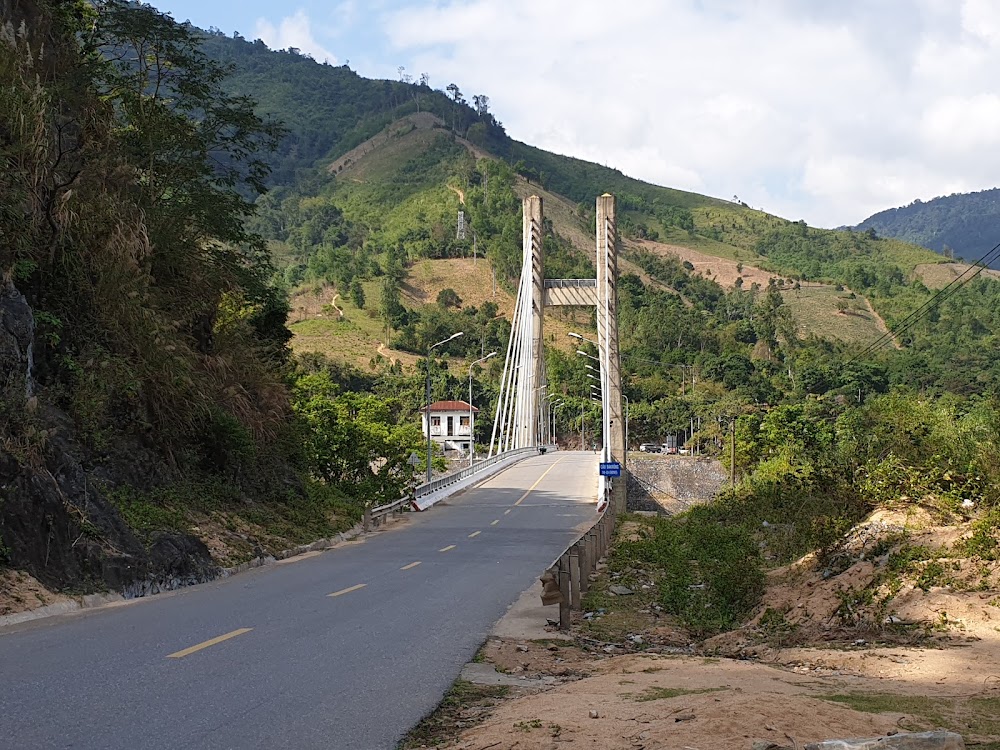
{"x": 333, "y": 303}
{"x": 459, "y": 192}
{"x": 880, "y": 322}
{"x": 397, "y": 129}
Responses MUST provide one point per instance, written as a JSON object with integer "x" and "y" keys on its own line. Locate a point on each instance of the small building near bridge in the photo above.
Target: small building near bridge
{"x": 452, "y": 424}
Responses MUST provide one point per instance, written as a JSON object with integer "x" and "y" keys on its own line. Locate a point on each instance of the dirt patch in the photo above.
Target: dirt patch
{"x": 398, "y": 129}
{"x": 857, "y": 642}
{"x": 721, "y": 270}
{"x": 937, "y": 275}
{"x": 656, "y": 701}
{"x": 19, "y": 592}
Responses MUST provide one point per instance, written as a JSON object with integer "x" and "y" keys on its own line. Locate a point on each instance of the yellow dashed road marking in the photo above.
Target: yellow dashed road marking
{"x": 411, "y": 565}
{"x": 445, "y": 549}
{"x": 474, "y": 534}
{"x": 206, "y": 644}
{"x": 506, "y": 511}
{"x": 348, "y": 590}
{"x": 494, "y": 523}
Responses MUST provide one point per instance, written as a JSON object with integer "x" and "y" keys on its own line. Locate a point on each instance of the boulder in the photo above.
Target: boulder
{"x": 937, "y": 740}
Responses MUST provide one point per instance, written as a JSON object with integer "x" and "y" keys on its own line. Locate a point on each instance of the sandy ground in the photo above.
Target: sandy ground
{"x": 936, "y": 663}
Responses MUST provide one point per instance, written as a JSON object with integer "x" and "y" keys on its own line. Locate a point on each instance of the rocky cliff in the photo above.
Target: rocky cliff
{"x": 56, "y": 521}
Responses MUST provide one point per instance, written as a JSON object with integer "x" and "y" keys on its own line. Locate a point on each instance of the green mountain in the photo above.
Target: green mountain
{"x": 960, "y": 226}
{"x": 155, "y": 424}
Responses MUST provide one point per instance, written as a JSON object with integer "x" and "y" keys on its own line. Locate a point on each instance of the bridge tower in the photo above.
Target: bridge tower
{"x": 519, "y": 422}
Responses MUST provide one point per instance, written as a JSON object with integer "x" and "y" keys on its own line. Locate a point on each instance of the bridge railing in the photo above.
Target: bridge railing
{"x": 568, "y": 578}
{"x": 570, "y": 283}
{"x": 374, "y": 517}
{"x": 457, "y": 476}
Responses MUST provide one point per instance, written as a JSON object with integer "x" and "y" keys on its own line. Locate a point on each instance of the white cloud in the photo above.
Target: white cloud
{"x": 294, "y": 31}
{"x": 827, "y": 112}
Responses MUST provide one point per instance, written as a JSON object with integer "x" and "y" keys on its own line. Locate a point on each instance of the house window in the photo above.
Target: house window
{"x": 435, "y": 421}
{"x": 463, "y": 421}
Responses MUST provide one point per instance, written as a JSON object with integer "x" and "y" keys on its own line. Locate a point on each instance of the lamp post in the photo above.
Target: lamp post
{"x": 553, "y": 408}
{"x": 472, "y": 437}
{"x": 626, "y": 421}
{"x": 431, "y": 348}
{"x": 539, "y": 410}
{"x": 605, "y": 402}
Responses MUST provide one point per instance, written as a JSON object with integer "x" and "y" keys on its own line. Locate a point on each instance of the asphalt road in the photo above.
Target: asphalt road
{"x": 343, "y": 650}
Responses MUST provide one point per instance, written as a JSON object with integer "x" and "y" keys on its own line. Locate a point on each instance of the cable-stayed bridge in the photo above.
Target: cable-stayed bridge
{"x": 521, "y": 417}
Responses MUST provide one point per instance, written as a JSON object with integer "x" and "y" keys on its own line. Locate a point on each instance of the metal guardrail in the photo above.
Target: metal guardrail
{"x": 570, "y": 283}
{"x": 568, "y": 578}
{"x": 375, "y": 517}
{"x": 433, "y": 486}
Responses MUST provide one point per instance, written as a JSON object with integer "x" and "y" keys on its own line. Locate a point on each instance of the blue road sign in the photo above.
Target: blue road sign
{"x": 613, "y": 469}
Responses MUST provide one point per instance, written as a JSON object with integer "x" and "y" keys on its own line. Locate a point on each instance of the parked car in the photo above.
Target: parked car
{"x": 649, "y": 448}
{"x": 684, "y": 451}
{"x": 671, "y": 449}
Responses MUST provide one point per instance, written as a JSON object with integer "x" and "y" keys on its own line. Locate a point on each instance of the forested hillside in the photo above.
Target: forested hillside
{"x": 960, "y": 226}
{"x": 217, "y": 304}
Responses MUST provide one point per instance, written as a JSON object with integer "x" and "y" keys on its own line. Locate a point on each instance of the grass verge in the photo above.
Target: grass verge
{"x": 973, "y": 716}
{"x": 464, "y": 705}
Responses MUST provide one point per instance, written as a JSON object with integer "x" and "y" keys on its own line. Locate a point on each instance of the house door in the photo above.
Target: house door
{"x": 451, "y": 426}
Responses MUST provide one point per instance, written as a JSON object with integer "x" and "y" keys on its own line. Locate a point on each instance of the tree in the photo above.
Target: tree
{"x": 355, "y": 439}
{"x": 357, "y": 294}
{"x": 456, "y": 93}
{"x": 195, "y": 150}
{"x": 448, "y": 298}
{"x": 481, "y": 103}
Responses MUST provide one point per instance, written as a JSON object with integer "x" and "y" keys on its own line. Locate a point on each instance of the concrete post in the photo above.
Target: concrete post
{"x": 574, "y": 576}
{"x": 565, "y": 591}
{"x": 607, "y": 295}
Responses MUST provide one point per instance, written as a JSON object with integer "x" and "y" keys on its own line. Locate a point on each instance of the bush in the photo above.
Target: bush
{"x": 710, "y": 573}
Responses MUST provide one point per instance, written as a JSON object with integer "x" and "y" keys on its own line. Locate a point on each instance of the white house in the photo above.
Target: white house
{"x": 452, "y": 424}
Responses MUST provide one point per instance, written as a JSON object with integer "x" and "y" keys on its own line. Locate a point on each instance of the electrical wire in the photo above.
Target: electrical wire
{"x": 940, "y": 296}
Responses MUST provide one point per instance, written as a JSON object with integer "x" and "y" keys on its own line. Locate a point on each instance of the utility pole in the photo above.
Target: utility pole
{"x": 732, "y": 452}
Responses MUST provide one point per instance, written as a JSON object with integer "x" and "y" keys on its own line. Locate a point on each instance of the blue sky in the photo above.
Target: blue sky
{"x": 822, "y": 111}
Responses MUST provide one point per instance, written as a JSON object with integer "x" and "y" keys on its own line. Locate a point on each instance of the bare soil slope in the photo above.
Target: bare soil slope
{"x": 937, "y": 275}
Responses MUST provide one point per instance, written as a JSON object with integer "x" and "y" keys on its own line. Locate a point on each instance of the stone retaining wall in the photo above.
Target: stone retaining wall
{"x": 670, "y": 484}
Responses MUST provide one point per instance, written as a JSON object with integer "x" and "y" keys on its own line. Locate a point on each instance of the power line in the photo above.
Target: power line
{"x": 940, "y": 296}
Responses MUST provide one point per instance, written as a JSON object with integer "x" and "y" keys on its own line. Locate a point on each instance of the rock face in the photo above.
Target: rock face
{"x": 17, "y": 329}
{"x": 55, "y": 521}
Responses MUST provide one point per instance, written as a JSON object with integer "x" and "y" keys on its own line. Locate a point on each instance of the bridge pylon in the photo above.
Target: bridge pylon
{"x": 520, "y": 419}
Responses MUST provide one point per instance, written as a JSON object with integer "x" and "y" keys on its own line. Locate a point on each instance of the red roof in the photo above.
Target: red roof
{"x": 449, "y": 406}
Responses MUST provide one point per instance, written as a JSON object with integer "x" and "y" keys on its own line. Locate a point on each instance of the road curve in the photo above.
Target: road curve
{"x": 344, "y": 650}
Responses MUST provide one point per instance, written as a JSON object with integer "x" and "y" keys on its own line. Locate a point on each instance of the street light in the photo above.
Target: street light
{"x": 428, "y": 416}
{"x": 553, "y": 407}
{"x": 626, "y": 421}
{"x": 472, "y": 437}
